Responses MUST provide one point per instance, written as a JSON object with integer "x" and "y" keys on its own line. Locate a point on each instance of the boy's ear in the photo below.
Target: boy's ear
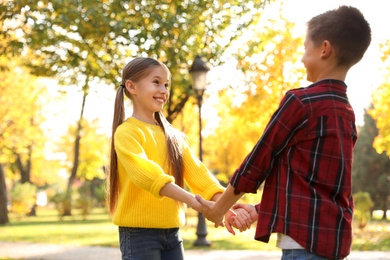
{"x": 130, "y": 86}
{"x": 327, "y": 49}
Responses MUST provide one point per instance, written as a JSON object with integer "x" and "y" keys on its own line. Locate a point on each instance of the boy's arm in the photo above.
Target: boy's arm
{"x": 216, "y": 211}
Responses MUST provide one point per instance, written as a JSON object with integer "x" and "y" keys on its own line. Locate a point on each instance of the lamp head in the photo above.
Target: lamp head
{"x": 198, "y": 72}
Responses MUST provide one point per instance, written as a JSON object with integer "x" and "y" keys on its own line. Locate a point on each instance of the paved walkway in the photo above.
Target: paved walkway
{"x": 66, "y": 252}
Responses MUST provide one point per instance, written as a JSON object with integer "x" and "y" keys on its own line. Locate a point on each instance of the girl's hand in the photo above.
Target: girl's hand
{"x": 229, "y": 221}
{"x": 196, "y": 205}
{"x": 209, "y": 212}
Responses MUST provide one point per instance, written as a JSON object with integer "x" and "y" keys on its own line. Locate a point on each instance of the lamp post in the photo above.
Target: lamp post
{"x": 198, "y": 72}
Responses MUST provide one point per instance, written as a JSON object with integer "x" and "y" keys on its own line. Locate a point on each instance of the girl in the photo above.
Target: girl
{"x": 150, "y": 162}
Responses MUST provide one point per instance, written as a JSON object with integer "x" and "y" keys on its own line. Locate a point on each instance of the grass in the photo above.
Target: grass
{"x": 46, "y": 227}
{"x": 97, "y": 230}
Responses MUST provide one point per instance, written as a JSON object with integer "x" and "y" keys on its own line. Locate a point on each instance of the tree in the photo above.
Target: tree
{"x": 93, "y": 157}
{"x": 380, "y": 112}
{"x": 3, "y": 198}
{"x": 20, "y": 111}
{"x": 94, "y": 151}
{"x": 268, "y": 63}
{"x": 381, "y": 104}
{"x": 370, "y": 170}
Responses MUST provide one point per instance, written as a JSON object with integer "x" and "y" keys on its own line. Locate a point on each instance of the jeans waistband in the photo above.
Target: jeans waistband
{"x": 163, "y": 230}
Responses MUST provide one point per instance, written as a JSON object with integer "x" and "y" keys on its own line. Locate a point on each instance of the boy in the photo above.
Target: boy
{"x": 305, "y": 153}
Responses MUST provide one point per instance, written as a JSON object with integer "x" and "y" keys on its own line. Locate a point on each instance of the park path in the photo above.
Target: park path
{"x": 32, "y": 251}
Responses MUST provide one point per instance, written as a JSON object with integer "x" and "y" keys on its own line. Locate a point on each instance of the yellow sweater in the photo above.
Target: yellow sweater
{"x": 143, "y": 171}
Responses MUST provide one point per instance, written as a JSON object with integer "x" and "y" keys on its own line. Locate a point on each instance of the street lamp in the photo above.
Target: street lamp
{"x": 198, "y": 72}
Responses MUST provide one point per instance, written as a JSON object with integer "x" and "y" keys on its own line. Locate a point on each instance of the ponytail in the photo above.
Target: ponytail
{"x": 119, "y": 117}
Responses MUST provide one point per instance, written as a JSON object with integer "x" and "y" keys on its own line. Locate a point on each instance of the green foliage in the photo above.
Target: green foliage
{"x": 84, "y": 204}
{"x": 370, "y": 170}
{"x": 363, "y": 207}
{"x": 87, "y": 194}
{"x": 62, "y": 203}
{"x": 23, "y": 198}
{"x": 86, "y": 41}
{"x": 93, "y": 191}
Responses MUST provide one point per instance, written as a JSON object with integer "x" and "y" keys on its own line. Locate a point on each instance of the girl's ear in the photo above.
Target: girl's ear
{"x": 130, "y": 86}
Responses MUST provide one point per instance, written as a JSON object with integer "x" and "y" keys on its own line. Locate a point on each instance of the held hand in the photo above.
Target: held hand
{"x": 209, "y": 212}
{"x": 250, "y": 209}
{"x": 196, "y": 205}
{"x": 241, "y": 221}
{"x": 229, "y": 221}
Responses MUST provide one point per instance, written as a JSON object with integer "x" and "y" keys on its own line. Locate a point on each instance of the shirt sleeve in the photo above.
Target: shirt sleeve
{"x": 198, "y": 178}
{"x": 142, "y": 171}
{"x": 287, "y": 119}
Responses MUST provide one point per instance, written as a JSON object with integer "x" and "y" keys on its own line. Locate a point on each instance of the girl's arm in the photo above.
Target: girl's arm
{"x": 216, "y": 196}
{"x": 175, "y": 192}
{"x": 198, "y": 178}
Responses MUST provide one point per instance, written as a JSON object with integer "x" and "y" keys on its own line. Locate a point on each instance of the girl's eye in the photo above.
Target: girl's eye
{"x": 166, "y": 85}
{"x": 156, "y": 82}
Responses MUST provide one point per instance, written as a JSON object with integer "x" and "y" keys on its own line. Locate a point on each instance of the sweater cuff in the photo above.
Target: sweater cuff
{"x": 212, "y": 190}
{"x": 160, "y": 182}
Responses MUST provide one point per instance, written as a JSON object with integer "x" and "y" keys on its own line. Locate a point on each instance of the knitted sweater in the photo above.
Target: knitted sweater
{"x": 143, "y": 171}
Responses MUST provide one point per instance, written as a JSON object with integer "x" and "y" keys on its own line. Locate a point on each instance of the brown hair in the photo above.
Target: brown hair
{"x": 346, "y": 29}
{"x": 135, "y": 70}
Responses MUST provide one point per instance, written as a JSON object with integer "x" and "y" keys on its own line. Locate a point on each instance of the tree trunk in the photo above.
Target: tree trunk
{"x": 174, "y": 108}
{"x": 25, "y": 172}
{"x": 68, "y": 208}
{"x": 385, "y": 208}
{"x": 25, "y": 169}
{"x": 3, "y": 198}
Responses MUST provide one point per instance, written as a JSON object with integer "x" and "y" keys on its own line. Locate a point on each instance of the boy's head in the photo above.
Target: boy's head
{"x": 347, "y": 31}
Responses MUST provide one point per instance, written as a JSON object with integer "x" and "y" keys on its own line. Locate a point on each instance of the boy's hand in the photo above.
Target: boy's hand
{"x": 241, "y": 221}
{"x": 250, "y": 209}
{"x": 245, "y": 215}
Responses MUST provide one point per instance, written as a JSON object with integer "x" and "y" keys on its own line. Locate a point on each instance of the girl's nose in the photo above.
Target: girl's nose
{"x": 163, "y": 89}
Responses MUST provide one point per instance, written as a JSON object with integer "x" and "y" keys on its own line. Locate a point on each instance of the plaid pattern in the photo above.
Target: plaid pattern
{"x": 305, "y": 159}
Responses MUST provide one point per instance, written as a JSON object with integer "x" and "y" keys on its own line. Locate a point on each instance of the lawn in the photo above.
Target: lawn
{"x": 97, "y": 230}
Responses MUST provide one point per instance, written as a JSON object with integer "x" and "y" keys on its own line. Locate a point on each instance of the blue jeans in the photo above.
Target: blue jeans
{"x": 300, "y": 254}
{"x": 150, "y": 244}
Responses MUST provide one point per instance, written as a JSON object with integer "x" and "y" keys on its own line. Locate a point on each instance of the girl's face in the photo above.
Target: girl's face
{"x": 311, "y": 59}
{"x": 150, "y": 93}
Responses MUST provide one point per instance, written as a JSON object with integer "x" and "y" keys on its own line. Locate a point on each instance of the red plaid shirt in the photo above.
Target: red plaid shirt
{"x": 305, "y": 158}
